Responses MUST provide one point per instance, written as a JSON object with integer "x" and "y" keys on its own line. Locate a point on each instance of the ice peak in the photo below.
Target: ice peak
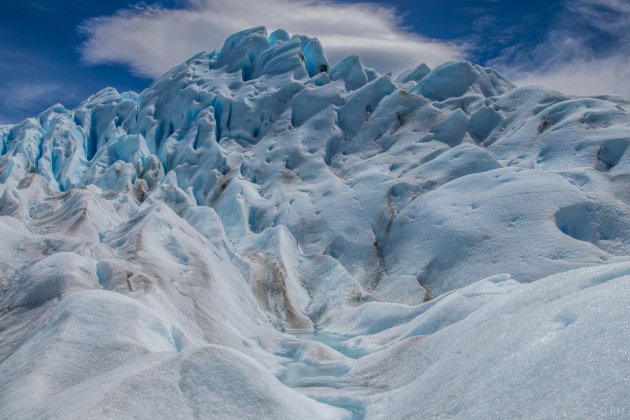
{"x": 256, "y": 53}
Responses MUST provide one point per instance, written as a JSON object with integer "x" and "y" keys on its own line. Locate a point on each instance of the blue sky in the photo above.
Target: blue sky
{"x": 65, "y": 50}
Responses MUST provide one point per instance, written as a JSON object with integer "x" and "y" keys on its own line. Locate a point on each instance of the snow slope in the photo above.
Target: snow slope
{"x": 264, "y": 234}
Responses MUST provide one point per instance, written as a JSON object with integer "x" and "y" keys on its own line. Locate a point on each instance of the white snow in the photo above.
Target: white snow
{"x": 264, "y": 234}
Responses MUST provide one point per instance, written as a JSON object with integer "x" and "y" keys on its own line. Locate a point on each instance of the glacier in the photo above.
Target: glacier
{"x": 264, "y": 234}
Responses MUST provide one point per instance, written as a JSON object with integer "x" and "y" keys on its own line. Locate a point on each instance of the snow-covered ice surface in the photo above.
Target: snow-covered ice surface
{"x": 264, "y": 234}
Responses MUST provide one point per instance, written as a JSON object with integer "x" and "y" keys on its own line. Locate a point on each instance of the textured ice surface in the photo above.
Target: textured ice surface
{"x": 264, "y": 234}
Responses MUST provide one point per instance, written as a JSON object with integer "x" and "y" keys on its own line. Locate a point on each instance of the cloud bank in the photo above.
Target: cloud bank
{"x": 586, "y": 51}
{"x": 152, "y": 39}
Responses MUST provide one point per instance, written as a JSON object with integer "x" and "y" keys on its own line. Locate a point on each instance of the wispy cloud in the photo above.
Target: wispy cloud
{"x": 29, "y": 84}
{"x": 25, "y": 95}
{"x": 586, "y": 51}
{"x": 152, "y": 39}
{"x": 20, "y": 98}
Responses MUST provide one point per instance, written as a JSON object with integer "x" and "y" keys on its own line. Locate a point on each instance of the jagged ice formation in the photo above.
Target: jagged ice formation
{"x": 261, "y": 234}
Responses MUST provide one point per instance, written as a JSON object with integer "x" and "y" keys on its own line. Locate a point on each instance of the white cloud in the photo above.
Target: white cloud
{"x": 608, "y": 76}
{"x": 587, "y": 51}
{"x": 152, "y": 39}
